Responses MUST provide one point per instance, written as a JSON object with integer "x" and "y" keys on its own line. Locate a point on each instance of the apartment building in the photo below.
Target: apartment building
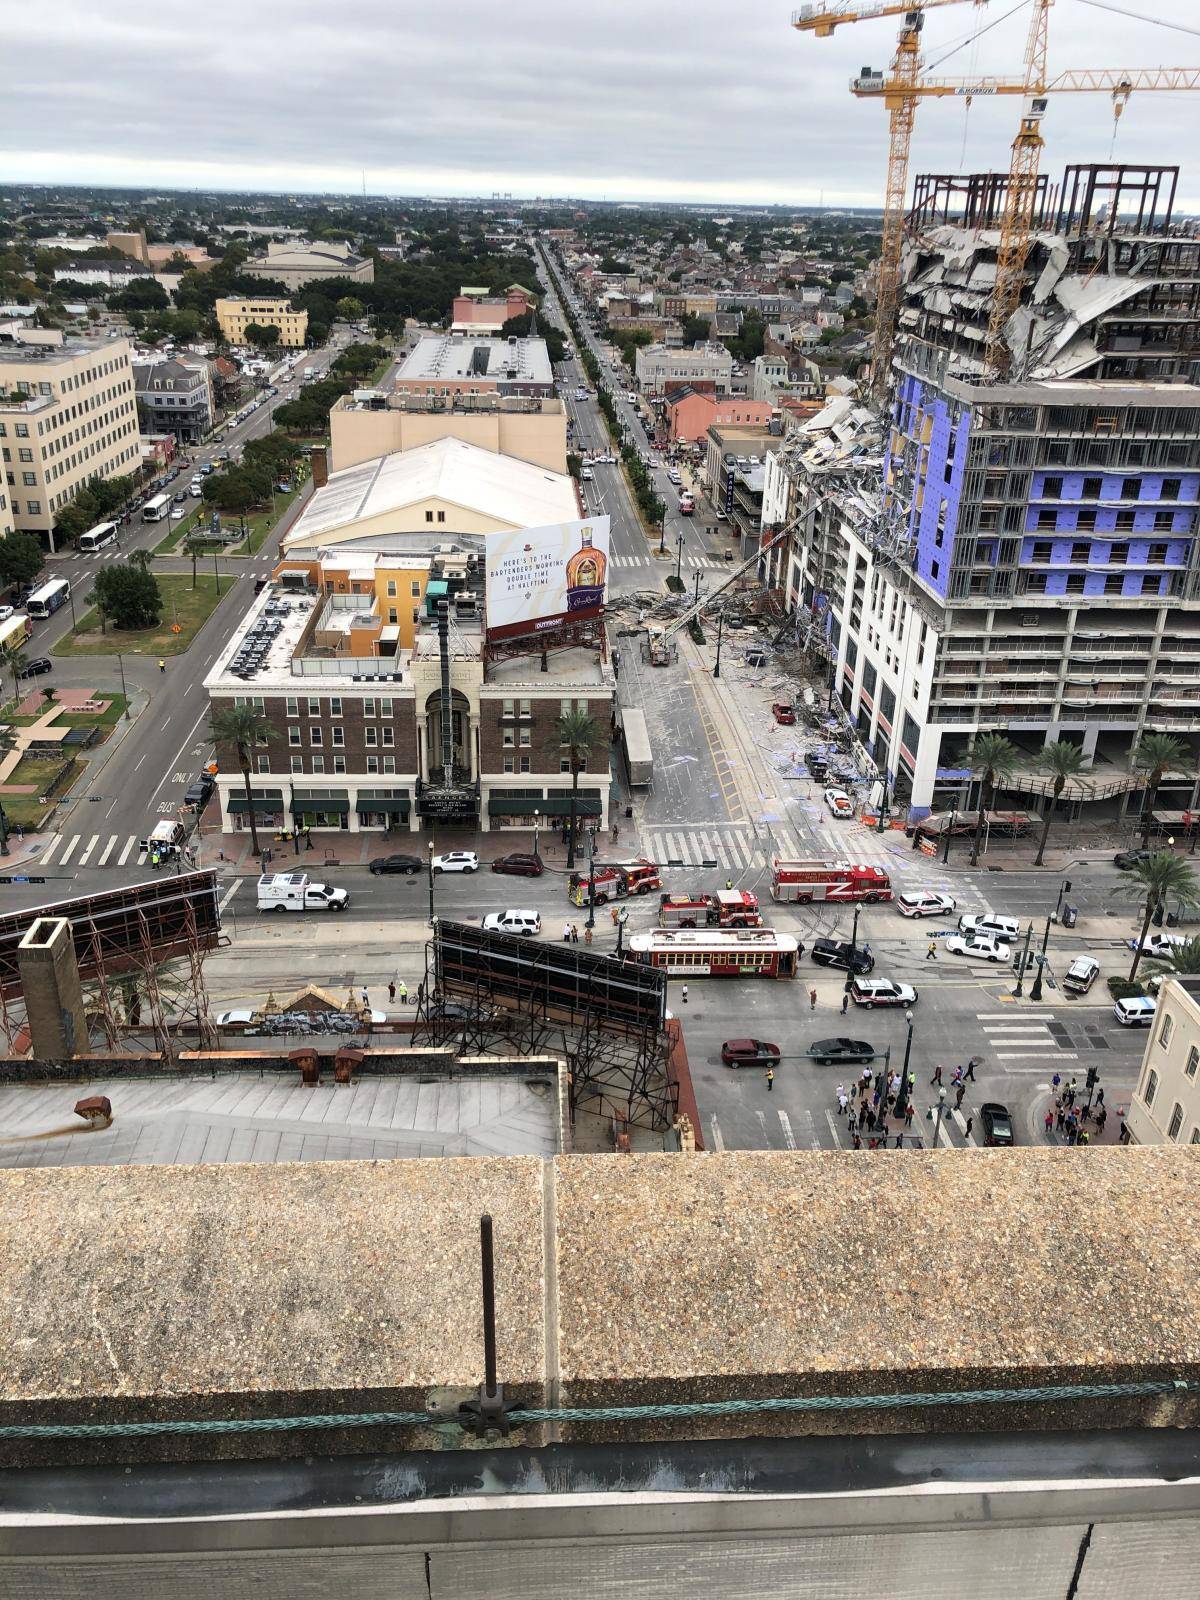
{"x": 364, "y": 426}
{"x": 479, "y": 311}
{"x": 1165, "y": 1106}
{"x": 294, "y": 262}
{"x": 68, "y": 413}
{"x": 235, "y": 316}
{"x": 658, "y": 368}
{"x": 691, "y": 413}
{"x": 174, "y": 397}
{"x": 451, "y": 365}
{"x": 1016, "y": 555}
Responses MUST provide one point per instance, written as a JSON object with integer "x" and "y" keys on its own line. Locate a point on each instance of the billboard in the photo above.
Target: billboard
{"x": 539, "y": 578}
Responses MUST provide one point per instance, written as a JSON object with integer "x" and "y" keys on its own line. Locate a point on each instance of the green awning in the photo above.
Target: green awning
{"x": 389, "y": 808}
{"x": 262, "y": 803}
{"x": 558, "y": 805}
{"x": 326, "y": 803}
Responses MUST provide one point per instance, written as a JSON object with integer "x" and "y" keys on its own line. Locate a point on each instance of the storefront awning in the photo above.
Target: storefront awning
{"x": 388, "y": 808}
{"x": 330, "y": 804}
{"x": 271, "y": 801}
{"x": 558, "y": 805}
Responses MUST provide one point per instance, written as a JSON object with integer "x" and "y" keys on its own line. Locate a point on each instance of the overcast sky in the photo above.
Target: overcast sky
{"x": 624, "y": 99}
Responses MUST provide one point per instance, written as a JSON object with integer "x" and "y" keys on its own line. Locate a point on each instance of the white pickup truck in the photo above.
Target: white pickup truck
{"x": 295, "y": 891}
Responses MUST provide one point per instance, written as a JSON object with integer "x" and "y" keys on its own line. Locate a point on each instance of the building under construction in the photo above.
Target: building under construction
{"x": 1012, "y": 546}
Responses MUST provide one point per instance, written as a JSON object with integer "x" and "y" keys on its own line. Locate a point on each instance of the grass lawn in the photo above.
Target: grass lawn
{"x": 261, "y": 524}
{"x": 69, "y": 719}
{"x": 182, "y": 604}
{"x": 179, "y": 531}
{"x": 25, "y": 808}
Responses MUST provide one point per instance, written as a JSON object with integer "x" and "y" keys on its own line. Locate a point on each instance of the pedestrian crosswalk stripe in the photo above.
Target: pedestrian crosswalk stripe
{"x": 108, "y": 850}
{"x": 91, "y": 845}
{"x": 48, "y": 853}
{"x": 785, "y": 1122}
{"x": 129, "y": 844}
{"x": 70, "y": 850}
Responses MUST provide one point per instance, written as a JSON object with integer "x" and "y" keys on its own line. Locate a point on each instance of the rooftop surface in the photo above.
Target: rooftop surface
{"x": 465, "y": 356}
{"x": 245, "y": 1117}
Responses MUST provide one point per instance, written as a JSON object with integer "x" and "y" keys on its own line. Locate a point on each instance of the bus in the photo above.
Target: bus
{"x": 717, "y": 952}
{"x": 96, "y": 538}
{"x": 14, "y": 633}
{"x": 45, "y": 601}
{"x": 156, "y": 508}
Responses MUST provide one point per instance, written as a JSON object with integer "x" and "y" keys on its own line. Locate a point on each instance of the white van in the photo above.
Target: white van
{"x": 1136, "y": 1012}
{"x": 294, "y": 891}
{"x": 990, "y": 923}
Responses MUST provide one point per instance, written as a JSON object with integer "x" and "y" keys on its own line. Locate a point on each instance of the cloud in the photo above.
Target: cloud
{"x": 626, "y": 100}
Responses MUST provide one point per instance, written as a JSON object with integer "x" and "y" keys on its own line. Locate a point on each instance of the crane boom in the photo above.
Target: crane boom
{"x": 823, "y": 19}
{"x": 682, "y": 620}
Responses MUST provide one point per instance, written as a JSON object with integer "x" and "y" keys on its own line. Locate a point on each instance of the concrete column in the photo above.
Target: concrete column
{"x": 53, "y": 994}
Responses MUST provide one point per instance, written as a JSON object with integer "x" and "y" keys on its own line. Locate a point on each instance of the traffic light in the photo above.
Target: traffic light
{"x": 1092, "y": 1077}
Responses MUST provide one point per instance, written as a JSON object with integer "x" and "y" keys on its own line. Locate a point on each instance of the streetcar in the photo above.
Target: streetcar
{"x": 717, "y": 952}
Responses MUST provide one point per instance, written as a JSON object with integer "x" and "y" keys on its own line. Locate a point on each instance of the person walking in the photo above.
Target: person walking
{"x": 908, "y": 1114}
{"x": 851, "y": 1120}
{"x": 958, "y": 1095}
{"x": 812, "y": 999}
{"x": 937, "y": 1074}
{"x": 1101, "y": 1119}
{"x": 1060, "y": 1117}
{"x": 1056, "y": 1084}
{"x": 566, "y": 933}
{"x": 685, "y": 994}
{"x": 931, "y": 952}
{"x": 970, "y": 1125}
{"x": 770, "y": 1079}
{"x": 1099, "y": 1097}
{"x": 587, "y": 936}
{"x": 843, "y": 1101}
{"x": 856, "y": 1143}
{"x": 845, "y": 1003}
{"x": 366, "y": 999}
{"x": 1048, "y": 1119}
{"x": 971, "y": 1065}
{"x": 162, "y": 665}
{"x": 574, "y": 933}
{"x": 403, "y": 992}
{"x": 956, "y": 1078}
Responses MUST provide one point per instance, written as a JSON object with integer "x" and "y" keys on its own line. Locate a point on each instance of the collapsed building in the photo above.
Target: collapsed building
{"x": 1014, "y": 554}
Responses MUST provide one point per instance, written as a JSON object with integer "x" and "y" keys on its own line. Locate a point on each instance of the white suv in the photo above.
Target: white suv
{"x": 924, "y": 903}
{"x": 996, "y": 927}
{"x": 456, "y": 861}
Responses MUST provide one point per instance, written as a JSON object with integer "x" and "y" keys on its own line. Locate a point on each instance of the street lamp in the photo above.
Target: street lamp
{"x": 717, "y": 663}
{"x": 432, "y": 917}
{"x": 124, "y": 691}
{"x": 941, "y": 1111}
{"x": 902, "y": 1096}
{"x": 853, "y": 948}
{"x": 1036, "y": 992}
{"x": 591, "y": 916}
{"x": 662, "y": 535}
{"x": 622, "y": 919}
{"x": 537, "y": 824}
{"x": 883, "y": 803}
{"x": 3, "y": 831}
{"x": 679, "y": 560}
{"x": 949, "y": 835}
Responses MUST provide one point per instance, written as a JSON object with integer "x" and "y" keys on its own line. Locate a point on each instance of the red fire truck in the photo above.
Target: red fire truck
{"x": 614, "y": 882}
{"x": 805, "y": 881}
{"x": 729, "y": 908}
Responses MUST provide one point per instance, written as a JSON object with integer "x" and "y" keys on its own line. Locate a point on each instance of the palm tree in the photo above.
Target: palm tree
{"x": 140, "y": 558}
{"x": 1060, "y": 761}
{"x": 244, "y": 728}
{"x": 1157, "y": 876}
{"x": 194, "y": 545}
{"x": 575, "y": 736}
{"x": 1156, "y": 754}
{"x": 16, "y": 660}
{"x": 1180, "y": 961}
{"x": 992, "y": 759}
{"x": 97, "y": 605}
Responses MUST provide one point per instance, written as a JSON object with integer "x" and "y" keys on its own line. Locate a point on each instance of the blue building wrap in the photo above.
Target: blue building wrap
{"x": 942, "y": 462}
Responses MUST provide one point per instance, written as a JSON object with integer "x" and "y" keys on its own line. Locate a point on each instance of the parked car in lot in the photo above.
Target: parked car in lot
{"x": 839, "y": 953}
{"x": 749, "y": 1053}
{"x": 35, "y": 668}
{"x": 526, "y": 923}
{"x": 456, "y": 861}
{"x": 408, "y": 865}
{"x": 924, "y": 903}
{"x": 784, "y": 713}
{"x": 996, "y": 1122}
{"x": 978, "y": 947}
{"x": 839, "y": 803}
{"x": 519, "y": 866}
{"x": 989, "y": 923}
{"x": 825, "y": 1052}
{"x": 882, "y": 992}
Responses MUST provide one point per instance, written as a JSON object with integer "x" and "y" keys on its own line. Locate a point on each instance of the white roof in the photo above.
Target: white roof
{"x": 516, "y": 494}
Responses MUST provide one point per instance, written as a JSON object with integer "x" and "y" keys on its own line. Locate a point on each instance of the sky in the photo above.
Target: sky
{"x": 626, "y": 99}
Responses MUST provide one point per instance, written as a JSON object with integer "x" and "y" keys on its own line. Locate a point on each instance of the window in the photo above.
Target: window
{"x": 525, "y": 709}
{"x": 264, "y": 763}
{"x": 372, "y": 763}
{"x": 393, "y": 615}
{"x": 1047, "y": 519}
{"x": 1091, "y": 488}
{"x": 1052, "y": 488}
{"x": 441, "y": 516}
{"x": 1085, "y": 522}
{"x": 429, "y": 516}
{"x": 293, "y": 706}
{"x": 314, "y": 706}
{"x": 389, "y": 763}
{"x": 507, "y": 739}
{"x": 1193, "y": 1061}
{"x": 564, "y": 764}
{"x": 1176, "y": 1121}
{"x": 339, "y": 736}
{"x": 564, "y": 707}
{"x": 1165, "y": 1029}
{"x": 1042, "y": 549}
{"x": 370, "y": 737}
{"x": 1151, "y": 1088}
{"x": 1157, "y": 554}
{"x": 526, "y": 737}
{"x": 1114, "y": 583}
{"x": 509, "y": 708}
{"x": 389, "y": 736}
{"x": 339, "y": 763}
{"x": 510, "y": 764}
{"x": 524, "y": 763}
{"x": 1118, "y": 554}
{"x": 391, "y": 588}
{"x": 1171, "y": 488}
{"x": 385, "y": 708}
{"x": 297, "y": 763}
{"x": 369, "y": 706}
{"x": 316, "y": 737}
{"x": 318, "y": 763}
{"x": 293, "y": 735}
{"x": 24, "y": 455}
{"x": 29, "y": 479}
{"x": 414, "y": 590}
{"x": 1080, "y": 550}
{"x": 335, "y": 705}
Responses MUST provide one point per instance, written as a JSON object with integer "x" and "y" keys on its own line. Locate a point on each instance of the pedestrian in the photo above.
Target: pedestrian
{"x": 162, "y": 665}
{"x": 566, "y": 933}
{"x": 616, "y": 832}
{"x": 845, "y": 1004}
{"x": 957, "y": 1077}
{"x": 574, "y": 933}
{"x": 864, "y": 1077}
{"x": 874, "y": 1144}
{"x": 770, "y": 1079}
{"x": 1072, "y": 1088}
{"x": 613, "y": 915}
{"x": 366, "y": 998}
{"x": 1099, "y": 1097}
{"x": 931, "y": 952}
{"x": 812, "y": 999}
{"x": 937, "y": 1074}
{"x": 958, "y": 1095}
{"x": 908, "y": 1114}
{"x": 869, "y": 1118}
{"x": 729, "y": 883}
{"x": 1060, "y": 1117}
{"x": 852, "y": 1120}
{"x": 685, "y": 994}
{"x": 403, "y": 992}
{"x": 587, "y": 936}
{"x": 899, "y": 1141}
{"x": 857, "y": 1142}
{"x": 843, "y": 1102}
{"x": 971, "y": 1065}
{"x": 895, "y": 1084}
{"x": 308, "y": 844}
{"x": 970, "y": 1125}
{"x": 1101, "y": 1119}
{"x": 392, "y": 991}
{"x": 1055, "y": 1082}
{"x": 1049, "y": 1121}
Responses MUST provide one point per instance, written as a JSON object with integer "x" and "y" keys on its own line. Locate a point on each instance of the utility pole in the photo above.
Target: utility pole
{"x": 717, "y": 663}
{"x": 902, "y": 1096}
{"x": 1020, "y": 989}
{"x": 949, "y": 836}
{"x": 679, "y": 561}
{"x": 591, "y": 916}
{"x": 1036, "y": 992}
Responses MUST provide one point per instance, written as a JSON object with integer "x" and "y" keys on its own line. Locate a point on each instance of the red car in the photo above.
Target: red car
{"x": 519, "y": 866}
{"x": 782, "y": 712}
{"x": 749, "y": 1053}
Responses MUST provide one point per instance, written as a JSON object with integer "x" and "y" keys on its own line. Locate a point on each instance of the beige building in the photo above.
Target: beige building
{"x": 67, "y": 413}
{"x": 1165, "y": 1107}
{"x": 235, "y": 316}
{"x": 7, "y": 525}
{"x": 526, "y": 429}
{"x": 294, "y": 262}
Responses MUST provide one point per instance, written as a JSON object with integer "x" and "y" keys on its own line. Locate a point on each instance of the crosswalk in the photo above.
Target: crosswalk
{"x": 695, "y": 563}
{"x": 77, "y": 850}
{"x": 1023, "y": 1042}
{"x": 826, "y": 1130}
{"x": 727, "y": 847}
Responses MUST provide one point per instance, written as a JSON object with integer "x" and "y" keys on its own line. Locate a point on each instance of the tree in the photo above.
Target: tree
{"x": 129, "y": 594}
{"x": 1060, "y": 761}
{"x": 1155, "y": 878}
{"x": 1156, "y": 755}
{"x": 21, "y": 558}
{"x": 194, "y": 545}
{"x": 141, "y": 294}
{"x": 264, "y": 337}
{"x": 244, "y": 728}
{"x": 1178, "y": 961}
{"x": 575, "y": 735}
{"x": 992, "y": 759}
{"x": 16, "y": 660}
{"x": 234, "y": 492}
{"x": 96, "y": 601}
{"x": 696, "y": 329}
{"x": 350, "y": 310}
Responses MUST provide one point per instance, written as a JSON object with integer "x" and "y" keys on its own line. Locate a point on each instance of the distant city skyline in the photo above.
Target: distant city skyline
{"x": 739, "y": 109}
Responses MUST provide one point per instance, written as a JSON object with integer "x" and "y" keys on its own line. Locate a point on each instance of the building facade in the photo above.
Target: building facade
{"x": 691, "y": 413}
{"x": 174, "y": 398}
{"x": 235, "y": 316}
{"x": 658, "y": 368}
{"x": 478, "y": 311}
{"x": 377, "y": 425}
{"x": 453, "y": 365}
{"x": 1165, "y": 1106}
{"x": 294, "y": 263}
{"x": 68, "y": 412}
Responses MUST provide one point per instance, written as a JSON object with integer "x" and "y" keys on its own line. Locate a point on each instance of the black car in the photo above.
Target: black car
{"x": 35, "y": 668}
{"x": 519, "y": 866}
{"x": 196, "y": 794}
{"x": 825, "y": 1052}
{"x": 1126, "y": 860}
{"x": 996, "y": 1121}
{"x": 837, "y": 953}
{"x": 408, "y": 865}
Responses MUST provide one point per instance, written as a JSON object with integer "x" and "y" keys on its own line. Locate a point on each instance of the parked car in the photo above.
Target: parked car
{"x": 1126, "y": 860}
{"x": 1159, "y": 944}
{"x": 522, "y": 922}
{"x": 825, "y": 1052}
{"x": 784, "y": 713}
{"x": 839, "y": 953}
{"x": 456, "y": 861}
{"x": 587, "y": 474}
{"x": 749, "y": 1053}
{"x": 882, "y": 992}
{"x": 839, "y": 803}
{"x": 408, "y": 865}
{"x": 197, "y": 794}
{"x": 996, "y": 1122}
{"x": 519, "y": 866}
{"x": 924, "y": 903}
{"x": 978, "y": 947}
{"x": 1081, "y": 975}
{"x": 1136, "y": 1012}
{"x": 241, "y": 1017}
{"x": 179, "y": 496}
{"x": 35, "y": 668}
{"x": 6, "y": 612}
{"x": 989, "y": 923}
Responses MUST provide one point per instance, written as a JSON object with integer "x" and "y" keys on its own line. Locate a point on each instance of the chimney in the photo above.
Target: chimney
{"x": 320, "y": 466}
{"x": 53, "y": 994}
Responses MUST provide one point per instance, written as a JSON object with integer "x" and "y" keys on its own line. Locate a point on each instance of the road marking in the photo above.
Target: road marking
{"x": 69, "y": 851}
{"x": 108, "y": 850}
{"x": 229, "y": 893}
{"x": 129, "y": 844}
{"x": 51, "y": 848}
{"x": 86, "y": 856}
{"x": 993, "y": 1016}
{"x": 785, "y": 1123}
{"x": 833, "y": 1127}
{"x": 1041, "y": 1055}
{"x": 139, "y": 761}
{"x": 717, "y": 1137}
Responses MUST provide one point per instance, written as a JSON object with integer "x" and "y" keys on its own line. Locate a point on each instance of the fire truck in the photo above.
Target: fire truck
{"x": 614, "y": 882}
{"x": 729, "y": 908}
{"x": 805, "y": 881}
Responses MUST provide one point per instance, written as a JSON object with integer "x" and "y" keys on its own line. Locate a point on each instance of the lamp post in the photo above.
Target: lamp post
{"x": 1036, "y": 992}
{"x": 432, "y": 917}
{"x": 949, "y": 835}
{"x": 3, "y": 832}
{"x": 537, "y": 828}
{"x": 853, "y": 948}
{"x": 292, "y": 815}
{"x": 679, "y": 560}
{"x": 1064, "y": 889}
{"x": 717, "y": 662}
{"x": 1023, "y": 961}
{"x": 881, "y": 824}
{"x": 124, "y": 691}
{"x": 71, "y": 601}
{"x": 902, "y": 1096}
{"x": 591, "y": 916}
{"x": 941, "y": 1111}
{"x": 662, "y": 536}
